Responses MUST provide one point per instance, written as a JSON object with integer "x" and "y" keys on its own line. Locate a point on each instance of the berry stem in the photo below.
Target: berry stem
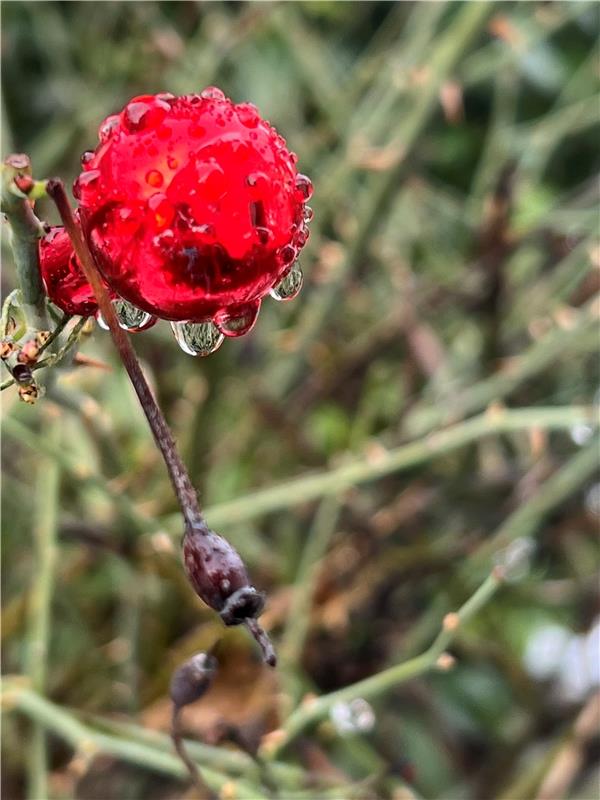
{"x": 186, "y": 494}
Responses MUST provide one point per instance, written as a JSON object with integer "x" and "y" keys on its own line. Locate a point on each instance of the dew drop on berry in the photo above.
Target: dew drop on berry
{"x": 86, "y": 157}
{"x": 304, "y": 186}
{"x": 212, "y": 93}
{"x": 101, "y": 321}
{"x": 263, "y": 234}
{"x": 131, "y": 318}
{"x": 161, "y": 209}
{"x": 154, "y": 178}
{"x": 108, "y": 127}
{"x": 197, "y": 338}
{"x": 172, "y": 163}
{"x": 308, "y": 214}
{"x": 237, "y": 320}
{"x": 290, "y": 286}
{"x": 196, "y": 130}
{"x": 85, "y": 181}
{"x": 247, "y": 114}
{"x": 286, "y": 255}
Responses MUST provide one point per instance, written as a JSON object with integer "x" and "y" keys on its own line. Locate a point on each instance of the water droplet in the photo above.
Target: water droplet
{"x": 197, "y": 338}
{"x": 197, "y": 131}
{"x": 212, "y": 93}
{"x": 86, "y": 157}
{"x": 108, "y": 127}
{"x": 134, "y": 115}
{"x": 131, "y": 318}
{"x": 308, "y": 214}
{"x": 263, "y": 234}
{"x": 290, "y": 286}
{"x": 154, "y": 178}
{"x": 85, "y": 181}
{"x": 247, "y": 114}
{"x": 304, "y": 186}
{"x": 237, "y": 320}
{"x": 287, "y": 255}
{"x": 172, "y": 163}
{"x": 357, "y": 716}
{"x": 161, "y": 208}
{"x": 101, "y": 321}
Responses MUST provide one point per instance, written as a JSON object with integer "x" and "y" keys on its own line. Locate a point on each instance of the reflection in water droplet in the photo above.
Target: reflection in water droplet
{"x": 197, "y": 338}
{"x": 132, "y": 319}
{"x": 290, "y": 286}
{"x": 101, "y": 322}
{"x": 154, "y": 178}
{"x": 106, "y": 129}
{"x": 304, "y": 186}
{"x": 308, "y": 214}
{"x": 237, "y": 320}
{"x": 86, "y": 157}
{"x": 212, "y": 93}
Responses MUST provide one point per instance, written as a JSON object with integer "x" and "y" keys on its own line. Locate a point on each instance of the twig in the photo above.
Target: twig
{"x": 40, "y": 599}
{"x": 192, "y": 768}
{"x": 91, "y": 742}
{"x": 26, "y": 230}
{"x": 378, "y": 684}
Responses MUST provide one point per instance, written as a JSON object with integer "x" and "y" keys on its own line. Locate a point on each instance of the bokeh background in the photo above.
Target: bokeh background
{"x": 453, "y": 271}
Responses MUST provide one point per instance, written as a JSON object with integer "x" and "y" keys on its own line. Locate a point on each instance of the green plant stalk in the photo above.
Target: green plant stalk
{"x": 332, "y": 482}
{"x": 40, "y": 601}
{"x": 450, "y": 47}
{"x": 322, "y": 484}
{"x": 377, "y": 685}
{"x": 583, "y": 334}
{"x": 26, "y": 230}
{"x": 559, "y": 487}
{"x": 317, "y": 542}
{"x": 89, "y": 742}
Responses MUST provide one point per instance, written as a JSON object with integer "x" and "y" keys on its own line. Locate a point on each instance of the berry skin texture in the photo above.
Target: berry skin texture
{"x": 63, "y": 278}
{"x": 193, "y": 207}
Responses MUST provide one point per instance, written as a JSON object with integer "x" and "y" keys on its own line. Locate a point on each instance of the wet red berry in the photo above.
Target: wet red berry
{"x": 193, "y": 208}
{"x": 63, "y": 278}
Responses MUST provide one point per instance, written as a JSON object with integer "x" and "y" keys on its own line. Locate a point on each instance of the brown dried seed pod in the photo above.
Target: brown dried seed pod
{"x": 29, "y": 394}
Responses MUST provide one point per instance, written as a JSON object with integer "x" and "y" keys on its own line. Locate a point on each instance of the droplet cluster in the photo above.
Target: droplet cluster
{"x": 194, "y": 210}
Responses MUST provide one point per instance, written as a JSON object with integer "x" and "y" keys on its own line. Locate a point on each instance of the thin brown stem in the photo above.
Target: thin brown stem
{"x": 204, "y": 793}
{"x": 186, "y": 494}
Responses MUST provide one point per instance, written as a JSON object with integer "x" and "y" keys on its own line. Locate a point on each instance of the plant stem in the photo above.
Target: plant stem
{"x": 178, "y": 474}
{"x": 90, "y": 742}
{"x": 315, "y": 548}
{"x": 26, "y": 230}
{"x": 40, "y": 600}
{"x": 378, "y": 684}
{"x": 332, "y": 482}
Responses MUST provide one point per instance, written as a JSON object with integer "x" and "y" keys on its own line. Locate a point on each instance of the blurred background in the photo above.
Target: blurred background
{"x": 452, "y": 272}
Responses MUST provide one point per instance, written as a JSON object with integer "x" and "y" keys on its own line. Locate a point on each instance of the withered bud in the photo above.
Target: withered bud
{"x": 191, "y": 680}
{"x": 29, "y": 394}
{"x": 29, "y": 352}
{"x": 7, "y": 348}
{"x": 42, "y": 337}
{"x": 22, "y": 374}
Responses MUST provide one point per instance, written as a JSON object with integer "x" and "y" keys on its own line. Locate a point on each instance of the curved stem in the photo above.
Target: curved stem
{"x": 178, "y": 474}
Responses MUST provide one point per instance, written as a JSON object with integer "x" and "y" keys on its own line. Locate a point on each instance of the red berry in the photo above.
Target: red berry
{"x": 193, "y": 208}
{"x": 63, "y": 277}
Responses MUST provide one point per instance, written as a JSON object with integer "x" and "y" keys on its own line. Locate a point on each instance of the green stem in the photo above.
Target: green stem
{"x": 26, "y": 230}
{"x": 335, "y": 481}
{"x": 90, "y": 742}
{"x": 40, "y": 600}
{"x": 378, "y": 684}
{"x": 55, "y": 358}
{"x": 316, "y": 546}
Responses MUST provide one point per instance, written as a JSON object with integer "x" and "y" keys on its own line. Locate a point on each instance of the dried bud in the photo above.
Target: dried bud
{"x": 42, "y": 338}
{"x": 191, "y": 680}
{"x": 29, "y": 394}
{"x": 7, "y": 348}
{"x": 22, "y": 374}
{"x": 29, "y": 352}
{"x": 219, "y": 576}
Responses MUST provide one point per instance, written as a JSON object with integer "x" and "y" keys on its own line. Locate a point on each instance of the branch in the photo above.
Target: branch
{"x": 378, "y": 684}
{"x": 26, "y": 230}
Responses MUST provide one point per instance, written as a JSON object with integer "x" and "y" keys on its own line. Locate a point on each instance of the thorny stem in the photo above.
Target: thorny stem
{"x": 184, "y": 490}
{"x": 180, "y": 479}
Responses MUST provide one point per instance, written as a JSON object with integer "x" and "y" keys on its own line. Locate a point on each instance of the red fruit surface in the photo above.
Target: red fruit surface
{"x": 63, "y": 278}
{"x": 192, "y": 205}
